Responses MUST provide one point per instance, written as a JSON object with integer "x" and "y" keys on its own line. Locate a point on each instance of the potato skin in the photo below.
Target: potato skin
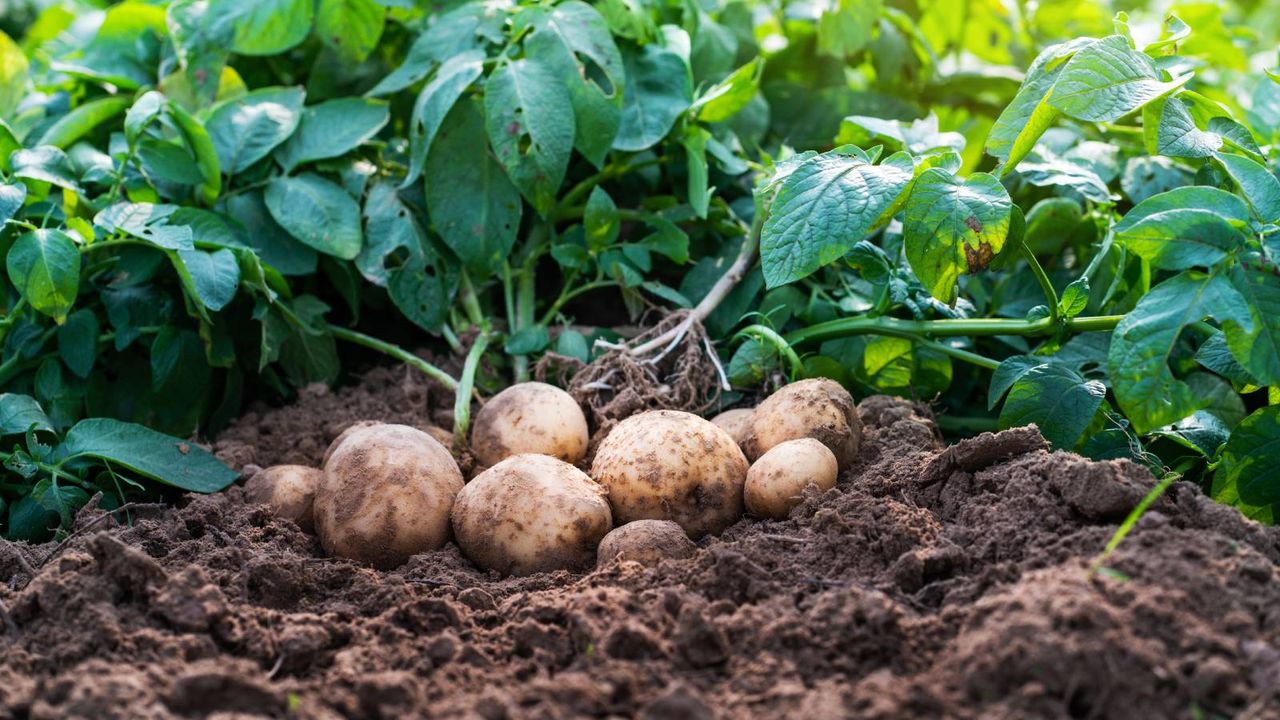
{"x": 645, "y": 541}
{"x": 290, "y": 490}
{"x": 531, "y": 513}
{"x": 736, "y": 422}
{"x": 818, "y": 408}
{"x": 672, "y": 465}
{"x": 776, "y": 480}
{"x": 386, "y": 495}
{"x": 530, "y": 417}
{"x": 342, "y": 437}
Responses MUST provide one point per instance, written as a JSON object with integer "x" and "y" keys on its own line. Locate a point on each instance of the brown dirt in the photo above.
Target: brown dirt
{"x": 928, "y": 583}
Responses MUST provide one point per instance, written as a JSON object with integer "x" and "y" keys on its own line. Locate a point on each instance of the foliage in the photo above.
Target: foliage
{"x": 201, "y": 198}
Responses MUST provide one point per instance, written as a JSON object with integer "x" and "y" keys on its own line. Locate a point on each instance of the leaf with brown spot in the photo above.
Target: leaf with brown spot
{"x": 953, "y": 225}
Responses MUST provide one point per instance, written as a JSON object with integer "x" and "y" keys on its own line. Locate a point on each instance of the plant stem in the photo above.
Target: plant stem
{"x": 462, "y": 395}
{"x": 972, "y": 358}
{"x": 570, "y": 294}
{"x": 764, "y": 333}
{"x": 1055, "y": 313}
{"x": 396, "y": 352}
{"x": 945, "y": 328}
{"x": 470, "y": 303}
{"x": 524, "y": 317}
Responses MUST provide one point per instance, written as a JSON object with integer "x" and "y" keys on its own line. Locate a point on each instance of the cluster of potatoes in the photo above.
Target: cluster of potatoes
{"x": 659, "y": 480}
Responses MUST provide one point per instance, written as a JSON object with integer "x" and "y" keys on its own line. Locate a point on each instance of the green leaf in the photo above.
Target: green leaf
{"x": 20, "y": 413}
{"x": 210, "y": 277}
{"x": 44, "y": 266}
{"x": 694, "y": 139}
{"x": 1235, "y": 136}
{"x": 529, "y": 118}
{"x": 168, "y": 161}
{"x": 82, "y": 121}
{"x": 471, "y": 202}
{"x": 331, "y": 129}
{"x": 573, "y": 40}
{"x": 848, "y": 27}
{"x": 1182, "y": 228}
{"x": 1257, "y": 184}
{"x": 1075, "y": 298}
{"x": 572, "y": 343}
{"x": 1107, "y": 80}
{"x": 600, "y": 220}
{"x": 78, "y": 342}
{"x": 248, "y": 128}
{"x": 1006, "y": 374}
{"x": 316, "y": 212}
{"x": 1247, "y": 469}
{"x": 1024, "y": 120}
{"x": 1058, "y": 400}
{"x": 434, "y": 103}
{"x": 1178, "y": 136}
{"x": 454, "y": 33}
{"x": 13, "y": 75}
{"x": 148, "y": 222}
{"x": 390, "y": 230}
{"x": 729, "y": 96}
{"x": 202, "y": 148}
{"x": 657, "y": 91}
{"x": 421, "y": 296}
{"x": 1257, "y": 346}
{"x": 125, "y": 49}
{"x": 202, "y": 42}
{"x": 45, "y": 164}
{"x": 153, "y": 455}
{"x": 264, "y": 27}
{"x": 351, "y": 27}
{"x": 527, "y": 341}
{"x": 1143, "y": 344}
{"x": 1215, "y": 355}
{"x": 752, "y": 362}
{"x": 271, "y": 242}
{"x": 1062, "y": 173}
{"x": 828, "y": 203}
{"x": 11, "y": 199}
{"x": 954, "y": 226}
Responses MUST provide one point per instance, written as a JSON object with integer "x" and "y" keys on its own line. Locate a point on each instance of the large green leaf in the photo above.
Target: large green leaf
{"x": 1257, "y": 184}
{"x": 45, "y": 163}
{"x": 528, "y": 115}
{"x": 153, "y": 455}
{"x": 1183, "y": 228}
{"x": 1178, "y": 136}
{"x": 44, "y": 265}
{"x": 453, "y": 33}
{"x": 1247, "y": 469}
{"x": 264, "y": 27}
{"x": 573, "y": 41}
{"x": 19, "y": 413}
{"x": 1107, "y": 80}
{"x": 1024, "y": 120}
{"x": 657, "y": 91}
{"x": 316, "y": 212}
{"x": 390, "y": 230}
{"x": 78, "y": 342}
{"x": 271, "y": 242}
{"x": 246, "y": 129}
{"x": 1058, "y": 400}
{"x": 82, "y": 121}
{"x": 433, "y": 105}
{"x": 350, "y": 27}
{"x": 125, "y": 49}
{"x": 848, "y": 27}
{"x": 472, "y": 204}
{"x": 331, "y": 129}
{"x": 210, "y": 277}
{"x": 954, "y": 226}
{"x": 149, "y": 222}
{"x": 13, "y": 75}
{"x": 202, "y": 41}
{"x": 1144, "y": 342}
{"x": 1257, "y": 348}
{"x": 11, "y": 199}
{"x": 828, "y": 203}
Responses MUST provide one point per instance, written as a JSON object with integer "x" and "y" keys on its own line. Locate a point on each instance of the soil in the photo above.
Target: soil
{"x": 928, "y": 583}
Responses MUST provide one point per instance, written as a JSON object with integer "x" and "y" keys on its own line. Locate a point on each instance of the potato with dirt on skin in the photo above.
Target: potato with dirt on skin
{"x": 817, "y": 408}
{"x": 672, "y": 465}
{"x": 531, "y": 513}
{"x": 777, "y": 479}
{"x": 646, "y": 542}
{"x": 290, "y": 491}
{"x": 442, "y": 436}
{"x": 736, "y": 422}
{"x": 386, "y": 495}
{"x": 530, "y": 417}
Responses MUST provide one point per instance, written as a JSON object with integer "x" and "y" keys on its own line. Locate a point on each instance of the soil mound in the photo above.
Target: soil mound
{"x": 930, "y": 582}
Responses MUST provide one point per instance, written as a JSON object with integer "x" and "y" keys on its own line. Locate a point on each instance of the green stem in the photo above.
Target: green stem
{"x": 396, "y": 352}
{"x": 471, "y": 303}
{"x": 1055, "y": 313}
{"x": 462, "y": 396}
{"x": 524, "y": 318}
{"x": 945, "y": 328}
{"x": 972, "y": 358}
{"x": 569, "y": 294}
{"x": 764, "y": 333}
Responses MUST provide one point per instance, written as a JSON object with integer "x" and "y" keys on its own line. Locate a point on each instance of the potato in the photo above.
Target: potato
{"x": 819, "y": 408}
{"x": 776, "y": 480}
{"x": 386, "y": 495}
{"x": 735, "y": 422}
{"x": 442, "y": 436}
{"x": 530, "y": 417}
{"x": 342, "y": 437}
{"x": 671, "y": 465}
{"x": 531, "y": 513}
{"x": 646, "y": 542}
{"x": 290, "y": 490}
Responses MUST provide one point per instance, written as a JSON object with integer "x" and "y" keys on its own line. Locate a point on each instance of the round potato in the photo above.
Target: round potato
{"x": 736, "y": 422}
{"x": 530, "y": 417}
{"x": 290, "y": 490}
{"x": 672, "y": 465}
{"x": 386, "y": 495}
{"x": 342, "y": 437}
{"x": 531, "y": 513}
{"x": 776, "y": 480}
{"x": 646, "y": 542}
{"x": 818, "y": 408}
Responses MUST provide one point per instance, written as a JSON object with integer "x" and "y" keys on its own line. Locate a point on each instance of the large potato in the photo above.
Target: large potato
{"x": 442, "y": 436}
{"x": 531, "y": 513}
{"x": 671, "y": 465}
{"x": 776, "y": 480}
{"x": 290, "y": 490}
{"x": 646, "y": 542}
{"x": 819, "y": 408}
{"x": 736, "y": 422}
{"x": 530, "y": 417}
{"x": 386, "y": 495}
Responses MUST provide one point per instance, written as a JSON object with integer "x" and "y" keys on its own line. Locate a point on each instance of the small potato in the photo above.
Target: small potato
{"x": 531, "y": 513}
{"x": 775, "y": 481}
{"x": 646, "y": 542}
{"x": 816, "y": 408}
{"x": 530, "y": 417}
{"x": 442, "y": 436}
{"x": 672, "y": 465}
{"x": 290, "y": 490}
{"x": 386, "y": 495}
{"x": 735, "y": 422}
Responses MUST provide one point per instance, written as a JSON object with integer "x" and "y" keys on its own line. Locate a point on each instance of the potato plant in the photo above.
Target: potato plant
{"x": 1039, "y": 213}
